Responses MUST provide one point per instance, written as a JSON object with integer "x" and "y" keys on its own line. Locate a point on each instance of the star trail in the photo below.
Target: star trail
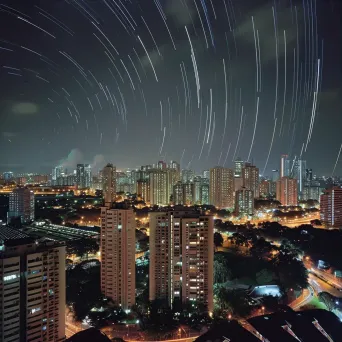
{"x": 201, "y": 81}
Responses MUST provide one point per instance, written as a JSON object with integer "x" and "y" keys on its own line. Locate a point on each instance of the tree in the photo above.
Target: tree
{"x": 161, "y": 315}
{"x": 328, "y": 300}
{"x": 290, "y": 271}
{"x": 233, "y": 301}
{"x": 82, "y": 247}
{"x": 218, "y": 240}
{"x": 221, "y": 271}
{"x": 239, "y": 240}
{"x": 261, "y": 248}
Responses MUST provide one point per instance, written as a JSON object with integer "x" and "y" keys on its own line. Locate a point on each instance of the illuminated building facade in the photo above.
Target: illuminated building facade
{"x": 181, "y": 257}
{"x": 331, "y": 207}
{"x": 83, "y": 176}
{"x": 32, "y": 289}
{"x": 158, "y": 181}
{"x": 221, "y": 187}
{"x": 21, "y": 204}
{"x": 287, "y": 193}
{"x": 244, "y": 202}
{"x": 250, "y": 178}
{"x": 117, "y": 246}
{"x": 109, "y": 183}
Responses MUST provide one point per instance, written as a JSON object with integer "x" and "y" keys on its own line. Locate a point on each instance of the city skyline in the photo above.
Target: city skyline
{"x": 170, "y": 80}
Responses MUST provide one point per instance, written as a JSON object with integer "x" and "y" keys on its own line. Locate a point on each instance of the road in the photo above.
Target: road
{"x": 325, "y": 276}
{"x": 304, "y": 299}
{"x": 320, "y": 285}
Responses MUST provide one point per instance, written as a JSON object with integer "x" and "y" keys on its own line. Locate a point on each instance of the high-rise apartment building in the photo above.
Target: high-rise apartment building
{"x": 312, "y": 191}
{"x": 83, "y": 176}
{"x": 206, "y": 175}
{"x": 4, "y": 207}
{"x": 197, "y": 183}
{"x": 244, "y": 202}
{"x": 250, "y": 178}
{"x": 187, "y": 175}
{"x": 117, "y": 246}
{"x": 331, "y": 207}
{"x": 183, "y": 193}
{"x": 161, "y": 165}
{"x": 181, "y": 257}
{"x": 221, "y": 187}
{"x": 267, "y": 188}
{"x": 238, "y": 167}
{"x": 178, "y": 193}
{"x": 159, "y": 187}
{"x": 205, "y": 194}
{"x": 21, "y": 204}
{"x": 174, "y": 165}
{"x": 57, "y": 172}
{"x": 8, "y": 176}
{"x": 143, "y": 189}
{"x": 308, "y": 175}
{"x": 287, "y": 193}
{"x": 109, "y": 183}
{"x": 32, "y": 288}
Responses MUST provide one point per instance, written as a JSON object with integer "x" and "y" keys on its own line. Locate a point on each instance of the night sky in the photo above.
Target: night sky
{"x": 198, "y": 81}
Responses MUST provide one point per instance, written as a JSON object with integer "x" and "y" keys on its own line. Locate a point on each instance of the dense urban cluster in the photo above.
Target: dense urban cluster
{"x": 161, "y": 251}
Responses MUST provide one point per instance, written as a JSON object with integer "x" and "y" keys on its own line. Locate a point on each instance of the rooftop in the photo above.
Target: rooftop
{"x": 91, "y": 335}
{"x": 285, "y": 326}
{"x": 7, "y": 234}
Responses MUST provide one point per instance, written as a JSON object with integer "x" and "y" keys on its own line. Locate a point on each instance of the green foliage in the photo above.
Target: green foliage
{"x": 218, "y": 239}
{"x": 161, "y": 315}
{"x": 82, "y": 247}
{"x": 290, "y": 271}
{"x": 327, "y": 299}
{"x": 83, "y": 290}
{"x": 222, "y": 272}
{"x": 234, "y": 302}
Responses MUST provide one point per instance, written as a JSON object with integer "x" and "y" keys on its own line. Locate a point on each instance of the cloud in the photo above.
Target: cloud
{"x": 24, "y": 108}
{"x": 75, "y": 157}
{"x": 182, "y": 12}
{"x": 8, "y": 134}
{"x": 263, "y": 20}
{"x": 98, "y": 163}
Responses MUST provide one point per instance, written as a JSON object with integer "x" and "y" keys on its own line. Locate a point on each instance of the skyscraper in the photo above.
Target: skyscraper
{"x": 143, "y": 189}
{"x": 197, "y": 183}
{"x": 206, "y": 174}
{"x": 21, "y": 204}
{"x": 287, "y": 193}
{"x": 284, "y": 166}
{"x": 238, "y": 167}
{"x": 187, "y": 175}
{"x": 178, "y": 194}
{"x": 244, "y": 202}
{"x": 109, "y": 183}
{"x": 32, "y": 290}
{"x": 331, "y": 207}
{"x": 181, "y": 257}
{"x": 250, "y": 178}
{"x": 8, "y": 176}
{"x": 83, "y": 176}
{"x": 117, "y": 246}
{"x": 205, "y": 193}
{"x": 57, "y": 172}
{"x": 308, "y": 175}
{"x": 159, "y": 188}
{"x": 298, "y": 171}
{"x": 267, "y": 188}
{"x": 221, "y": 187}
